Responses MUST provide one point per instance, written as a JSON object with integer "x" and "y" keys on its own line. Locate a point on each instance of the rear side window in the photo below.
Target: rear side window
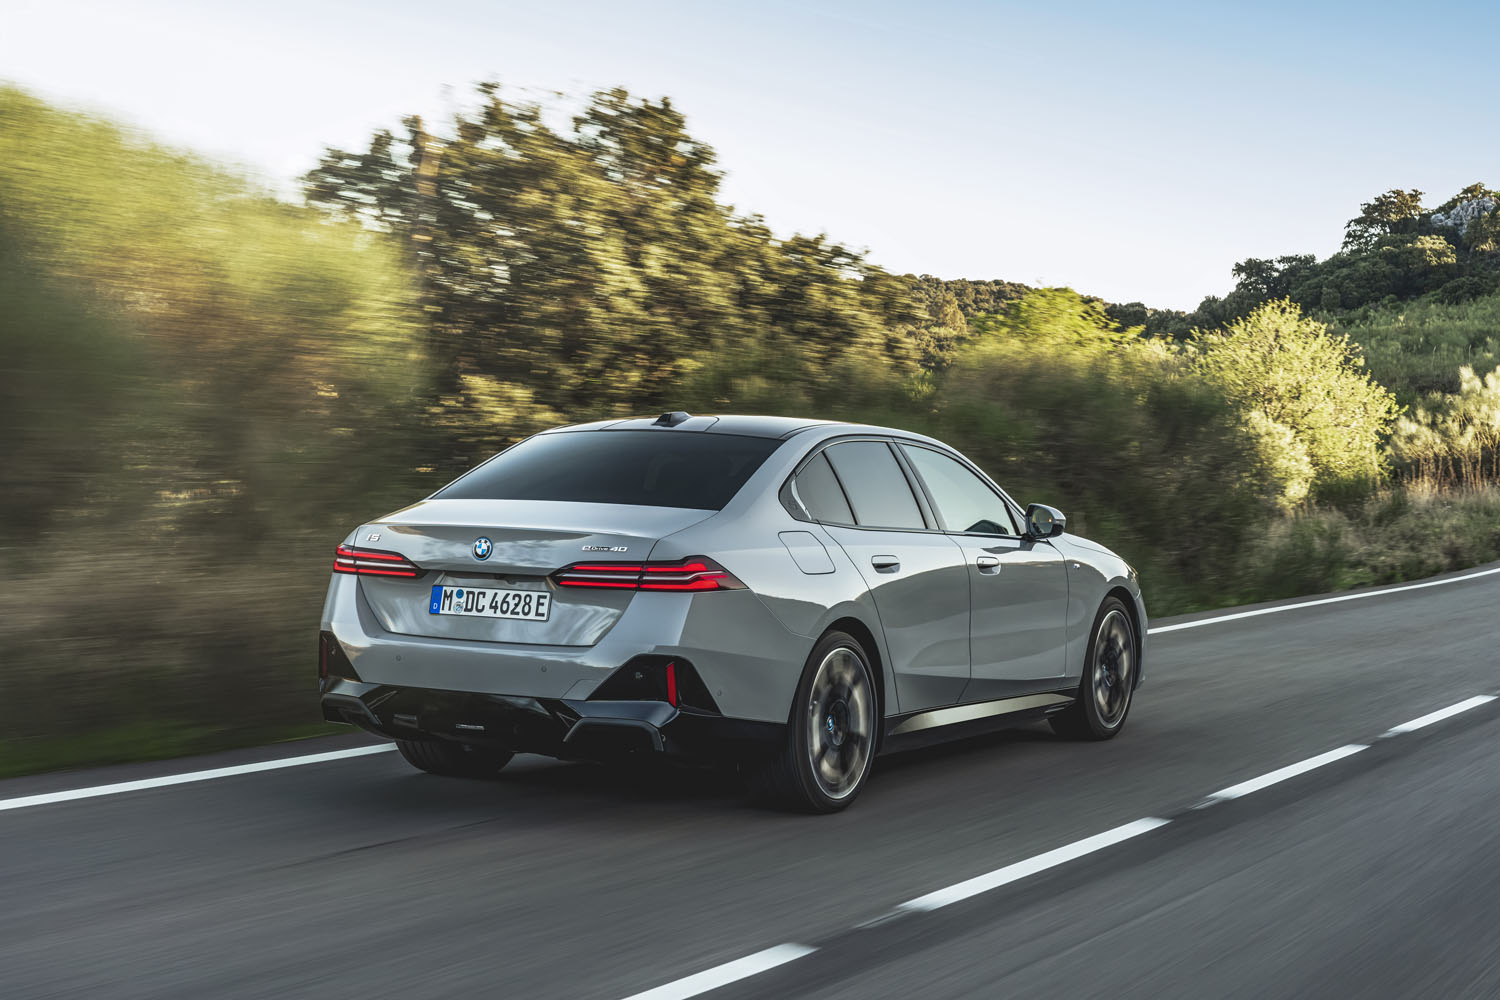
{"x": 875, "y": 485}
{"x": 821, "y": 494}
{"x": 657, "y": 468}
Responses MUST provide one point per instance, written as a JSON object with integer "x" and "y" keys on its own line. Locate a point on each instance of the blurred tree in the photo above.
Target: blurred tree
{"x": 593, "y": 271}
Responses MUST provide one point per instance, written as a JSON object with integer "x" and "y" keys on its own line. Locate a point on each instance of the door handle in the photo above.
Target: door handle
{"x": 885, "y": 564}
{"x": 987, "y": 564}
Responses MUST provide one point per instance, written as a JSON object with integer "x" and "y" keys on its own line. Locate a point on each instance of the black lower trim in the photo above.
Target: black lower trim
{"x": 552, "y": 727}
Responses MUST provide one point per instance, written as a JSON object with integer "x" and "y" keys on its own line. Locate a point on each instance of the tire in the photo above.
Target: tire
{"x": 832, "y": 731}
{"x": 455, "y": 760}
{"x": 1107, "y": 687}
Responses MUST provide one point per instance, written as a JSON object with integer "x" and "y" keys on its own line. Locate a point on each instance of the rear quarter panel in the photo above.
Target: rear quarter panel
{"x": 745, "y": 538}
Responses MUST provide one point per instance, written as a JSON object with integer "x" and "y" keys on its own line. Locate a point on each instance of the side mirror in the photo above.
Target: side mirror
{"x": 1044, "y": 522}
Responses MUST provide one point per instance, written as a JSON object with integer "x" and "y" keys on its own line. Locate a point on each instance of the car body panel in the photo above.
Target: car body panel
{"x": 923, "y": 606}
{"x": 1094, "y": 572}
{"x": 1018, "y": 621}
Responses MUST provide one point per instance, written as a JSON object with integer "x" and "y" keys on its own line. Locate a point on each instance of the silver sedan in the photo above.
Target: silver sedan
{"x": 794, "y": 595}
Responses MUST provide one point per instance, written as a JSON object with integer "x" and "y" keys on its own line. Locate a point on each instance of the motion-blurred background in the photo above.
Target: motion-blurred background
{"x": 208, "y": 375}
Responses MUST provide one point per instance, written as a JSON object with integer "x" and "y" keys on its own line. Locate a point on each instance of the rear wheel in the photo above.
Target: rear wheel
{"x": 830, "y": 738}
{"x": 1108, "y": 682}
{"x": 457, "y": 760}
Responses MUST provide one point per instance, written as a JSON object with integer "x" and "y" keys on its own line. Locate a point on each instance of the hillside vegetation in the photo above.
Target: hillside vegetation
{"x": 204, "y": 387}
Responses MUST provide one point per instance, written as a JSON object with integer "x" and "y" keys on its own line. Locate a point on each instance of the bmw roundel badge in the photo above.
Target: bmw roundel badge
{"x": 483, "y": 547}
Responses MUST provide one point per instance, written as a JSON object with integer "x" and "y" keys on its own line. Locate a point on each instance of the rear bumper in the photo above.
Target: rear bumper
{"x": 556, "y": 727}
{"x": 748, "y": 660}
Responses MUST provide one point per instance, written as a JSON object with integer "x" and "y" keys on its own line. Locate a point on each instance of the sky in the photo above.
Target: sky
{"x": 1131, "y": 151}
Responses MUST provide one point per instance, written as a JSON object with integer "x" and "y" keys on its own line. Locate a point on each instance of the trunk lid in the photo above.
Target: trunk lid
{"x": 529, "y": 540}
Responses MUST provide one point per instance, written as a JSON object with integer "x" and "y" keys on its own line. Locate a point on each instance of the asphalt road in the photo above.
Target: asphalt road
{"x": 1374, "y": 875}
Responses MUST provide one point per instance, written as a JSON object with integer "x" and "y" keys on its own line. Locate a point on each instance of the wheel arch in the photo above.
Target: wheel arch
{"x": 866, "y": 637}
{"x": 1136, "y": 623}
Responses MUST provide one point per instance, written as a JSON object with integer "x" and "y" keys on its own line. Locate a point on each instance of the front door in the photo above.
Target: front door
{"x": 1018, "y": 587}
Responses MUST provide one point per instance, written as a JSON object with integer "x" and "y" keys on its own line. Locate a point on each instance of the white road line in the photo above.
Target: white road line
{"x": 1160, "y": 629}
{"x": 1022, "y": 869}
{"x": 47, "y": 798}
{"x": 1439, "y": 715}
{"x": 1282, "y": 774}
{"x": 729, "y": 972}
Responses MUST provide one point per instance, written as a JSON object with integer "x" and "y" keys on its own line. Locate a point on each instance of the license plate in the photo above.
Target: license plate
{"x": 478, "y": 602}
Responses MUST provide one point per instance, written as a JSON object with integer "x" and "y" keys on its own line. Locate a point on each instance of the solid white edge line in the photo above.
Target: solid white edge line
{"x": 69, "y": 795}
{"x": 1439, "y": 715}
{"x": 729, "y": 972}
{"x": 1031, "y": 866}
{"x": 1282, "y": 774}
{"x": 1161, "y": 629}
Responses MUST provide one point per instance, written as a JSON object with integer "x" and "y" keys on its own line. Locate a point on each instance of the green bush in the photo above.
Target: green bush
{"x": 1396, "y": 535}
{"x": 1285, "y": 370}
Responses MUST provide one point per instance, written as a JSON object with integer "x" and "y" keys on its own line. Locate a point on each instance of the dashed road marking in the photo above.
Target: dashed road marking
{"x": 1282, "y": 774}
{"x": 729, "y": 972}
{"x": 1021, "y": 869}
{"x": 723, "y": 975}
{"x": 1439, "y": 715}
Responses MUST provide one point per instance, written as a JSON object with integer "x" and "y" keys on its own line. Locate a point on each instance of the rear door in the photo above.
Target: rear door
{"x": 1018, "y": 587}
{"x": 915, "y": 573}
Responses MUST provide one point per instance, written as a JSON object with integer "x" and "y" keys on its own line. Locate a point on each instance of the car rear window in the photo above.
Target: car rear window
{"x": 655, "y": 468}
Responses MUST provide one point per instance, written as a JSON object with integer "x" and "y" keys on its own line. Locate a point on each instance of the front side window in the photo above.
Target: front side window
{"x": 963, "y": 500}
{"x": 875, "y": 485}
{"x": 657, "y": 468}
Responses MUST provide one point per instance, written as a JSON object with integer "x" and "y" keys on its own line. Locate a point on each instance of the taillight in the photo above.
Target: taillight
{"x": 692, "y": 574}
{"x": 372, "y": 562}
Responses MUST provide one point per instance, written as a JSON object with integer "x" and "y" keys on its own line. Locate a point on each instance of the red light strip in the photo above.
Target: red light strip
{"x": 692, "y": 575}
{"x": 365, "y": 562}
{"x": 701, "y": 583}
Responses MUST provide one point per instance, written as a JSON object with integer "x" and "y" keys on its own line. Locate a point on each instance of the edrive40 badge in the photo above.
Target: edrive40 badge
{"x": 483, "y": 547}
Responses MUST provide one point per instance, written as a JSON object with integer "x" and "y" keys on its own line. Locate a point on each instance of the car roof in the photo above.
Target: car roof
{"x": 745, "y": 425}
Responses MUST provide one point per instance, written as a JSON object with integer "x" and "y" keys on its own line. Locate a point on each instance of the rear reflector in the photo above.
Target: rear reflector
{"x": 692, "y": 574}
{"x": 372, "y": 562}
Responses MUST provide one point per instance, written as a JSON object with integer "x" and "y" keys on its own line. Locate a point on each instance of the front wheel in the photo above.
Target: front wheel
{"x": 830, "y": 739}
{"x": 1104, "y": 693}
{"x": 455, "y": 760}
